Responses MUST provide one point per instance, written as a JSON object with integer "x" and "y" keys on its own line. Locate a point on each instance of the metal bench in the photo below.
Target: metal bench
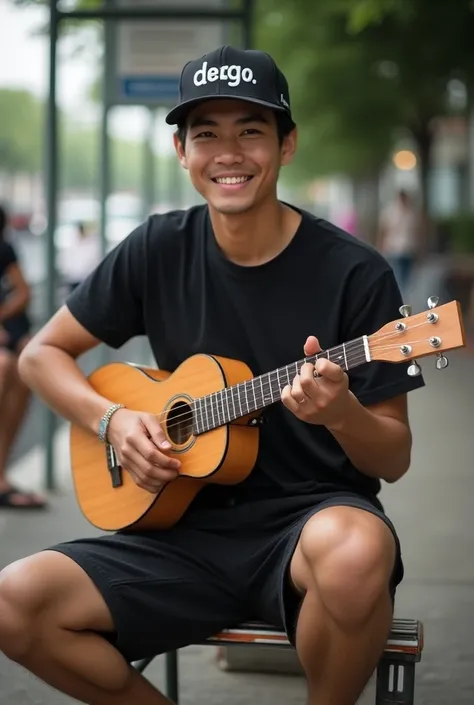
{"x": 395, "y": 683}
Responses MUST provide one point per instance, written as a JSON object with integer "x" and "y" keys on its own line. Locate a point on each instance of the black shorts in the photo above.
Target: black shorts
{"x": 215, "y": 569}
{"x": 17, "y": 328}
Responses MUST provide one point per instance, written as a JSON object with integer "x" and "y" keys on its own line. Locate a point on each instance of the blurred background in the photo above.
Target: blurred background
{"x": 383, "y": 94}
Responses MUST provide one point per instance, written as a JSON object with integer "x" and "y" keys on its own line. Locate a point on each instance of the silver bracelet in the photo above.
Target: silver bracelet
{"x": 105, "y": 420}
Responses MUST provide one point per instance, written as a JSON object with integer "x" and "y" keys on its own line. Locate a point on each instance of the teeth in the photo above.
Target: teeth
{"x": 231, "y": 179}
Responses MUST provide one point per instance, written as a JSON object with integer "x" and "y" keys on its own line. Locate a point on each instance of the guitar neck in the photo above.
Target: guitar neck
{"x": 232, "y": 403}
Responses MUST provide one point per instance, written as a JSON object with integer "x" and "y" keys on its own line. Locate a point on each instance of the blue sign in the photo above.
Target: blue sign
{"x": 150, "y": 88}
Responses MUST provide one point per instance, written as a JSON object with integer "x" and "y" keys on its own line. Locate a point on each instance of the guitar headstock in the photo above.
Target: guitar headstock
{"x": 427, "y": 333}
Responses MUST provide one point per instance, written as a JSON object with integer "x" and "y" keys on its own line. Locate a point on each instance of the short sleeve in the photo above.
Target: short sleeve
{"x": 109, "y": 302}
{"x": 379, "y": 304}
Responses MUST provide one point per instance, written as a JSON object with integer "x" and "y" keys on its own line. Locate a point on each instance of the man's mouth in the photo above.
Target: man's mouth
{"x": 231, "y": 180}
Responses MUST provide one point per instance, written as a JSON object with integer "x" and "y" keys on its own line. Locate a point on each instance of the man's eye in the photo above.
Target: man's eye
{"x": 252, "y": 131}
{"x": 204, "y": 134}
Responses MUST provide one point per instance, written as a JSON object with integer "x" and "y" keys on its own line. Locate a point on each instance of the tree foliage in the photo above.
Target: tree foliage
{"x": 20, "y": 131}
{"x": 362, "y": 70}
{"x": 22, "y": 146}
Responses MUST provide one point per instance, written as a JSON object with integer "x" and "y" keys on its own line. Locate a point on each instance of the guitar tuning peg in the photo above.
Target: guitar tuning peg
{"x": 414, "y": 369}
{"x": 405, "y": 310}
{"x": 441, "y": 361}
{"x": 433, "y": 301}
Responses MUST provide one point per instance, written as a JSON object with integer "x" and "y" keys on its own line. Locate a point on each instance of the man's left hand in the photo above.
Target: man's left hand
{"x": 322, "y": 398}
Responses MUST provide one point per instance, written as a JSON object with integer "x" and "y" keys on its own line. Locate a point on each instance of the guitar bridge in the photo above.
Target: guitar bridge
{"x": 113, "y": 466}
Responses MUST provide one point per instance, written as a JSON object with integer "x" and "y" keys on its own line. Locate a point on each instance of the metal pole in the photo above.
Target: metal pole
{"x": 104, "y": 156}
{"x": 51, "y": 196}
{"x": 104, "y": 351}
{"x": 104, "y": 153}
{"x": 104, "y": 178}
{"x": 172, "y": 676}
{"x": 247, "y": 22}
{"x": 149, "y": 171}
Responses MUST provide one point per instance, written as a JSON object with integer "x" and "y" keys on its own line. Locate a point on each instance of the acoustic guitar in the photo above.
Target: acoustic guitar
{"x": 209, "y": 408}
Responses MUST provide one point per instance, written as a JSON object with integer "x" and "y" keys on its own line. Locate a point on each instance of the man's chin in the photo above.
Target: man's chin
{"x": 231, "y": 208}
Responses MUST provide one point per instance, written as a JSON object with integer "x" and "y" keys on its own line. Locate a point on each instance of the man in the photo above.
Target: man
{"x": 80, "y": 257}
{"x": 303, "y": 542}
{"x": 400, "y": 237}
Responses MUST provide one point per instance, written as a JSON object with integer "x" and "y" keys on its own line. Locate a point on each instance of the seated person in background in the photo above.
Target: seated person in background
{"x": 14, "y": 394}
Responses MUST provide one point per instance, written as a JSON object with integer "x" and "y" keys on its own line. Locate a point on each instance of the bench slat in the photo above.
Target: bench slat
{"x": 406, "y": 636}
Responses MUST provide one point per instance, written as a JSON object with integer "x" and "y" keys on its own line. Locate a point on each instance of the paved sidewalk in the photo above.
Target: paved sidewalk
{"x": 431, "y": 507}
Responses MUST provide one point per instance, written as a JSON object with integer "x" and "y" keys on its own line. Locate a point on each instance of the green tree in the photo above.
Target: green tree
{"x": 21, "y": 128}
{"x": 362, "y": 70}
{"x": 79, "y": 168}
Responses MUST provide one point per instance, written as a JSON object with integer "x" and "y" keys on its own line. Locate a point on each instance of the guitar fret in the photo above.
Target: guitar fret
{"x": 268, "y": 393}
{"x": 234, "y": 412}
{"x": 271, "y": 387}
{"x": 339, "y": 359}
{"x": 212, "y": 411}
{"x": 220, "y": 401}
{"x": 255, "y": 403}
{"x": 226, "y": 393}
{"x": 247, "y": 406}
{"x": 224, "y": 415}
{"x": 199, "y": 421}
{"x": 215, "y": 406}
{"x": 278, "y": 379}
{"x": 241, "y": 413}
{"x": 345, "y": 356}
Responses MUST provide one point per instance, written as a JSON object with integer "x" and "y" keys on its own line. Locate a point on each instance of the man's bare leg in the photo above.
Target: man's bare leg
{"x": 343, "y": 565}
{"x": 7, "y": 375}
{"x": 14, "y": 398}
{"x": 49, "y": 609}
{"x": 13, "y": 406}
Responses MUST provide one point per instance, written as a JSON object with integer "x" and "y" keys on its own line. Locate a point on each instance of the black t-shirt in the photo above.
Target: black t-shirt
{"x": 170, "y": 281}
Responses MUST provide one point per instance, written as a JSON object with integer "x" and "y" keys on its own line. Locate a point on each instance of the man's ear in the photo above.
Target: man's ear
{"x": 288, "y": 147}
{"x": 180, "y": 151}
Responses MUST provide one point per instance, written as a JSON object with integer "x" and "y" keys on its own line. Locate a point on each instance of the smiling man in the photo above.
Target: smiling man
{"x": 303, "y": 542}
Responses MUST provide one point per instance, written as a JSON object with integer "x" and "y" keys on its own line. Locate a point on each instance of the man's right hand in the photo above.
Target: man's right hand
{"x": 141, "y": 447}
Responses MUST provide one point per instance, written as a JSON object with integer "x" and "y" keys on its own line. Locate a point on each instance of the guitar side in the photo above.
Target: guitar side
{"x": 225, "y": 455}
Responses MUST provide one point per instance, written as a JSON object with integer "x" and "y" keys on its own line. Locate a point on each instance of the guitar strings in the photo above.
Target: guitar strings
{"x": 355, "y": 359}
{"x": 213, "y": 402}
{"x": 396, "y": 333}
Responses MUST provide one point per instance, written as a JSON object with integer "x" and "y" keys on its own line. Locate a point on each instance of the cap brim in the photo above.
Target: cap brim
{"x": 179, "y": 113}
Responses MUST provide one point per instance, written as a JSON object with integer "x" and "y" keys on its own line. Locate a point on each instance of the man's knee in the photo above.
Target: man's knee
{"x": 347, "y": 555}
{"x": 43, "y": 594}
{"x": 22, "y": 601}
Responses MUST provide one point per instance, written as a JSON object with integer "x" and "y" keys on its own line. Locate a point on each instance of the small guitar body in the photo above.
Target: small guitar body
{"x": 224, "y": 455}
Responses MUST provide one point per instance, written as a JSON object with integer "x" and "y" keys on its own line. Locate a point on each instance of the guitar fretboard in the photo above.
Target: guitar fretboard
{"x": 231, "y": 403}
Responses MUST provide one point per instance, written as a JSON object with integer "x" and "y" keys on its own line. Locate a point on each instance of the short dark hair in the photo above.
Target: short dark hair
{"x": 283, "y": 124}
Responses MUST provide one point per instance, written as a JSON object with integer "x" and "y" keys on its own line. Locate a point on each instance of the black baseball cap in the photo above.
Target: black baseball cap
{"x": 227, "y": 72}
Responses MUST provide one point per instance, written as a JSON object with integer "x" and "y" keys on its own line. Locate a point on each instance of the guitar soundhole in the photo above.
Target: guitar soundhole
{"x": 179, "y": 423}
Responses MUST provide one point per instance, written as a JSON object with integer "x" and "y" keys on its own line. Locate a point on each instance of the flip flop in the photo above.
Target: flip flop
{"x": 7, "y": 500}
